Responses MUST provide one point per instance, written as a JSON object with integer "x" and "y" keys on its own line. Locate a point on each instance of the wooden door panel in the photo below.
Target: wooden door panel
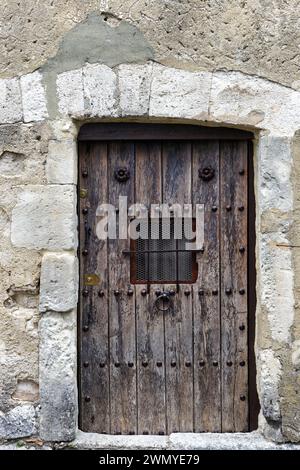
{"x": 141, "y": 370}
{"x": 121, "y": 305}
{"x": 234, "y": 285}
{"x": 176, "y": 184}
{"x": 94, "y": 354}
{"x": 206, "y": 293}
{"x": 150, "y": 323}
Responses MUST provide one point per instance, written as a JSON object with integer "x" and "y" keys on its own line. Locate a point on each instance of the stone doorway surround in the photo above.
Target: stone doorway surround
{"x": 44, "y": 218}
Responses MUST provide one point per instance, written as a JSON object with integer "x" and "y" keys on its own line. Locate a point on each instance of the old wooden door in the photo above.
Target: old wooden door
{"x": 186, "y": 367}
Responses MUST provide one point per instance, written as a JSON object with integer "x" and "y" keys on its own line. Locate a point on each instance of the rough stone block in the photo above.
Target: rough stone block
{"x": 100, "y": 89}
{"x": 134, "y": 88}
{"x": 277, "y": 296}
{"x": 59, "y": 283}
{"x": 10, "y": 101}
{"x": 70, "y": 93}
{"x": 33, "y": 97}
{"x": 239, "y": 99}
{"x": 178, "y": 93}
{"x": 45, "y": 218}
{"x": 269, "y": 379}
{"x": 275, "y": 167}
{"x": 58, "y": 391}
{"x": 18, "y": 422}
{"x": 61, "y": 166}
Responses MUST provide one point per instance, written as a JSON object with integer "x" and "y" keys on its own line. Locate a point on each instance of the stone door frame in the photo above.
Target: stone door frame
{"x": 155, "y": 93}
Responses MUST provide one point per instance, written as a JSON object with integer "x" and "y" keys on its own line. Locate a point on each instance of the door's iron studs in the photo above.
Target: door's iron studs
{"x": 201, "y": 292}
{"x": 228, "y": 291}
{"x": 187, "y": 292}
{"x": 130, "y": 292}
{"x": 229, "y": 363}
{"x": 242, "y": 327}
{"x": 85, "y": 210}
{"x": 172, "y": 292}
{"x": 215, "y": 292}
{"x": 131, "y": 433}
{"x": 101, "y": 293}
{"x": 145, "y": 433}
{"x": 122, "y": 174}
{"x": 144, "y": 363}
{"x": 206, "y": 174}
{"x": 242, "y": 363}
{"x": 242, "y": 249}
{"x": 173, "y": 364}
{"x": 85, "y": 292}
{"x": 85, "y": 328}
{"x": 117, "y": 364}
{"x": 242, "y": 291}
{"x": 102, "y": 364}
{"x": 202, "y": 363}
{"x": 242, "y": 398}
{"x": 215, "y": 363}
{"x": 130, "y": 364}
{"x": 85, "y": 173}
{"x": 214, "y": 208}
{"x": 85, "y": 364}
{"x": 87, "y": 398}
{"x": 242, "y": 171}
{"x": 188, "y": 364}
{"x": 228, "y": 208}
{"x": 241, "y": 208}
{"x": 161, "y": 433}
{"x": 85, "y": 252}
{"x": 144, "y": 292}
{"x": 159, "y": 363}
{"x": 158, "y": 293}
{"x": 116, "y": 293}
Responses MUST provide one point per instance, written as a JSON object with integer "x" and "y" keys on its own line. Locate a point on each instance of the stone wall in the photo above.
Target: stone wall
{"x": 74, "y": 62}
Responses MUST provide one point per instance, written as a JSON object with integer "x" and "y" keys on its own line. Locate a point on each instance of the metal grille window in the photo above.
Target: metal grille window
{"x": 159, "y": 257}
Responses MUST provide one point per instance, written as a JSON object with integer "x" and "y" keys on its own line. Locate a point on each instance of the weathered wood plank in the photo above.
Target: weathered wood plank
{"x": 94, "y": 355}
{"x": 206, "y": 294}
{"x": 121, "y": 305}
{"x": 176, "y": 185}
{"x": 150, "y": 326}
{"x": 173, "y": 132}
{"x": 234, "y": 286}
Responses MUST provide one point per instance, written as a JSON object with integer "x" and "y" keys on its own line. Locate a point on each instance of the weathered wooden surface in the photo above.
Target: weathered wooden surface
{"x": 233, "y": 235}
{"x": 176, "y": 186}
{"x": 150, "y": 323}
{"x": 206, "y": 294}
{"x": 150, "y": 372}
{"x": 94, "y": 347}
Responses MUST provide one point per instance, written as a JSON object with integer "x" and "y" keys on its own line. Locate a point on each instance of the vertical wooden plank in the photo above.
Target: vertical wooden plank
{"x": 121, "y": 305}
{"x": 234, "y": 286}
{"x": 150, "y": 326}
{"x": 176, "y": 186}
{"x": 94, "y": 370}
{"x": 252, "y": 386}
{"x": 206, "y": 298}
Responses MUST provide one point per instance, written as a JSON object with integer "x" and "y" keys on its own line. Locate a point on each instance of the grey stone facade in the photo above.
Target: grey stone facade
{"x": 42, "y": 106}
